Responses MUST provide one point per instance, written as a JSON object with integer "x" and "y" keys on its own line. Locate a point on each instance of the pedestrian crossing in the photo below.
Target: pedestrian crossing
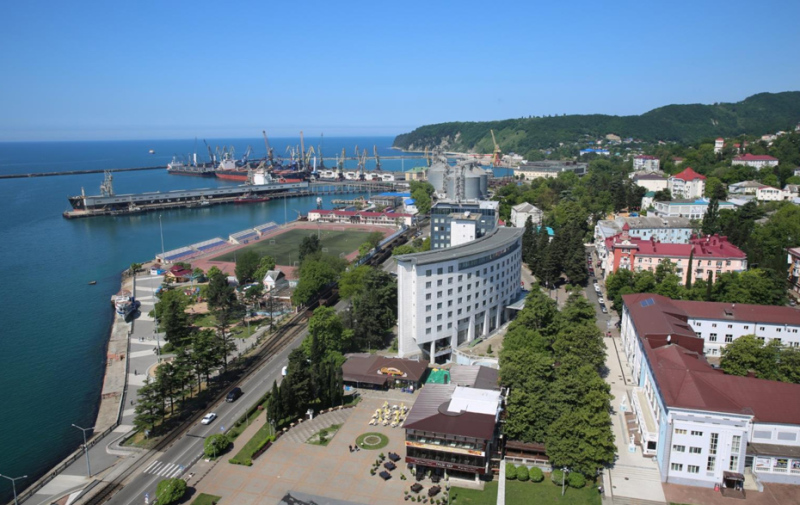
{"x": 166, "y": 470}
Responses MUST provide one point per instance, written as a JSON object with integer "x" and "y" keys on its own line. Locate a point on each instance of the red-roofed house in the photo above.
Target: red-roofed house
{"x": 687, "y": 184}
{"x": 712, "y": 253}
{"x": 756, "y": 161}
{"x": 704, "y": 427}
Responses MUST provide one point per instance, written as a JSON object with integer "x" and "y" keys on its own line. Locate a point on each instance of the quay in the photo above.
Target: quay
{"x": 79, "y": 172}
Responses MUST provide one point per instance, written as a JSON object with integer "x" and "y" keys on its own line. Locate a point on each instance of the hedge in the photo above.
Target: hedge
{"x": 576, "y": 480}
{"x": 522, "y": 473}
{"x": 556, "y": 477}
{"x": 536, "y": 474}
{"x": 511, "y": 471}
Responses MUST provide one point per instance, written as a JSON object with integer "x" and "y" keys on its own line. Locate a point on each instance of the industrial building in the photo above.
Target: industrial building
{"x": 448, "y": 297}
{"x": 466, "y": 181}
{"x": 536, "y": 169}
{"x": 454, "y": 223}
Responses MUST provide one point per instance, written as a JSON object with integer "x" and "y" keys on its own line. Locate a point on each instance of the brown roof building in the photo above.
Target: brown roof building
{"x": 380, "y": 372}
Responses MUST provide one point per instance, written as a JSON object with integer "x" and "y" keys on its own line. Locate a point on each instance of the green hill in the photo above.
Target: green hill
{"x": 756, "y": 115}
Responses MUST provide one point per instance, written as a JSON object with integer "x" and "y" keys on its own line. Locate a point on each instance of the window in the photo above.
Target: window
{"x": 679, "y": 448}
{"x": 449, "y": 303}
{"x": 449, "y": 280}
{"x": 693, "y": 469}
{"x": 728, "y": 338}
{"x": 712, "y": 337}
{"x": 428, "y": 273}
{"x": 450, "y": 270}
{"x": 697, "y": 433}
{"x": 427, "y": 308}
{"x": 439, "y": 282}
{"x": 428, "y": 285}
{"x": 714, "y": 325}
{"x": 761, "y": 329}
{"x": 730, "y": 326}
{"x": 428, "y": 296}
{"x": 439, "y": 305}
{"x": 450, "y": 292}
{"x": 449, "y": 325}
{"x": 736, "y": 442}
{"x": 428, "y": 319}
{"x": 712, "y": 462}
{"x": 439, "y": 271}
{"x": 439, "y": 328}
{"x": 427, "y": 331}
{"x": 438, "y": 317}
{"x": 695, "y": 450}
{"x": 438, "y": 294}
{"x": 676, "y": 467}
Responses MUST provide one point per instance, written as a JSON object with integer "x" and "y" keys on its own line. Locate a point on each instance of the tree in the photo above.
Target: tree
{"x": 326, "y": 326}
{"x": 298, "y": 382}
{"x": 309, "y": 246}
{"x": 214, "y": 445}
{"x": 711, "y": 221}
{"x": 528, "y": 241}
{"x": 275, "y": 411}
{"x": 422, "y": 201}
{"x": 744, "y": 354}
{"x": 316, "y": 272}
{"x": 172, "y": 318}
{"x": 265, "y": 264}
{"x": 403, "y": 249}
{"x": 170, "y": 491}
{"x": 149, "y": 406}
{"x": 582, "y": 441}
{"x": 246, "y": 266}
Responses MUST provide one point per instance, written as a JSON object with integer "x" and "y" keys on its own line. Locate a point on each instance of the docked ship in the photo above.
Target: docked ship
{"x": 180, "y": 167}
{"x": 230, "y": 171}
{"x": 125, "y": 303}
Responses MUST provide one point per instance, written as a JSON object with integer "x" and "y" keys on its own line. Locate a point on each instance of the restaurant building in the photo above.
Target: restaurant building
{"x": 380, "y": 372}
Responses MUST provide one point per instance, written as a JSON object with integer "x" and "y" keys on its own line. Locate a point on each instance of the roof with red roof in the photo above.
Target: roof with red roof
{"x": 688, "y": 174}
{"x": 708, "y": 247}
{"x": 754, "y": 157}
{"x": 720, "y": 138}
{"x": 685, "y": 378}
{"x": 388, "y": 215}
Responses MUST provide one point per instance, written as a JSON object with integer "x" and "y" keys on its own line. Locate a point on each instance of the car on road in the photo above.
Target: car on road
{"x": 208, "y": 418}
{"x": 234, "y": 395}
{"x": 603, "y": 309}
{"x": 600, "y": 300}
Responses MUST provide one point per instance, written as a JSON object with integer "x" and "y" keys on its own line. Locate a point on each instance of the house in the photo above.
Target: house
{"x": 770, "y": 194}
{"x": 549, "y": 169}
{"x": 677, "y": 161}
{"x": 274, "y": 279}
{"x": 652, "y": 182}
{"x": 718, "y": 145}
{"x": 646, "y": 163}
{"x": 744, "y": 188}
{"x": 703, "y": 427}
{"x": 758, "y": 161}
{"x": 687, "y": 184}
{"x": 178, "y": 273}
{"x": 648, "y": 199}
{"x": 698, "y": 259}
{"x": 521, "y": 212}
{"x": 691, "y": 209}
{"x": 794, "y": 272}
{"x": 361, "y": 217}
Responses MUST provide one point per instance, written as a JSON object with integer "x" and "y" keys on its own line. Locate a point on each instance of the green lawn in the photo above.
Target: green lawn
{"x": 524, "y": 493}
{"x": 285, "y": 250}
{"x": 329, "y": 432}
{"x": 206, "y": 499}
{"x": 245, "y": 454}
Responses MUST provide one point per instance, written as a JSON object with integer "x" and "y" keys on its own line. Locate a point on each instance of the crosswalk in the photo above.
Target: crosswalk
{"x": 166, "y": 470}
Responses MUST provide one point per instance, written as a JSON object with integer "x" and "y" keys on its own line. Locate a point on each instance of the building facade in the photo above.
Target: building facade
{"x": 452, "y": 296}
{"x": 757, "y": 161}
{"x": 671, "y": 230}
{"x": 442, "y": 214}
{"x": 652, "y": 182}
{"x": 536, "y": 169}
{"x": 361, "y": 217}
{"x": 794, "y": 272}
{"x": 690, "y": 209}
{"x": 709, "y": 255}
{"x": 521, "y": 212}
{"x": 687, "y": 184}
{"x": 703, "y": 427}
{"x": 645, "y": 162}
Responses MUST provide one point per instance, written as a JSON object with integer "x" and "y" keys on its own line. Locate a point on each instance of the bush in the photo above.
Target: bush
{"x": 556, "y": 477}
{"x": 215, "y": 445}
{"x": 511, "y": 471}
{"x": 489, "y": 349}
{"x": 576, "y": 480}
{"x": 522, "y": 473}
{"x": 536, "y": 474}
{"x": 170, "y": 491}
{"x": 167, "y": 348}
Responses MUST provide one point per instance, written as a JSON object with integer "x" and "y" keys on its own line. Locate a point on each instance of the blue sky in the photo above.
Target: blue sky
{"x": 154, "y": 69}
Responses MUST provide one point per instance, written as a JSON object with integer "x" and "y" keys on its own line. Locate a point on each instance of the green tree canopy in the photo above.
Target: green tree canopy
{"x": 246, "y": 266}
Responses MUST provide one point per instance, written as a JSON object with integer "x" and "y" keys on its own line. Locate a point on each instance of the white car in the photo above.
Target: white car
{"x": 208, "y": 418}
{"x": 600, "y": 300}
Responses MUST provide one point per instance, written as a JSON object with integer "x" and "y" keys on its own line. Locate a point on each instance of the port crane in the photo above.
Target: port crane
{"x": 246, "y": 156}
{"x": 340, "y": 165}
{"x": 497, "y": 155}
{"x": 270, "y": 154}
{"x": 303, "y": 163}
{"x": 211, "y": 157}
{"x": 377, "y": 158}
{"x": 319, "y": 152}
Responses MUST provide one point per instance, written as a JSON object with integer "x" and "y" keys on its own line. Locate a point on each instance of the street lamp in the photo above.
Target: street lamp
{"x": 14, "y": 484}
{"x": 563, "y": 478}
{"x": 85, "y": 447}
{"x": 162, "y": 237}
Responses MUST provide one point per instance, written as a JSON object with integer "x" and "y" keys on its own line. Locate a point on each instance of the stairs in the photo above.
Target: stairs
{"x": 299, "y": 434}
{"x": 620, "y": 500}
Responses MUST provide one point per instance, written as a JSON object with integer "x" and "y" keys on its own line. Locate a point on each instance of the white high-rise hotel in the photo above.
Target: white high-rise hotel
{"x": 450, "y": 296}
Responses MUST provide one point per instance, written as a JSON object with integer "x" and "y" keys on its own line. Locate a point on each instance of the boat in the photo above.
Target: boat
{"x": 152, "y": 151}
{"x": 125, "y": 303}
{"x": 179, "y": 167}
{"x": 92, "y": 283}
{"x": 251, "y": 199}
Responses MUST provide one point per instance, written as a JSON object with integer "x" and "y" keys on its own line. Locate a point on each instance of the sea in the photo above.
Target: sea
{"x": 54, "y": 326}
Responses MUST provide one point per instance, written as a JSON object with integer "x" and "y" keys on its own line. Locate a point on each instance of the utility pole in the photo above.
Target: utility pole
{"x": 14, "y": 484}
{"x": 162, "y": 237}
{"x": 85, "y": 447}
{"x": 563, "y": 477}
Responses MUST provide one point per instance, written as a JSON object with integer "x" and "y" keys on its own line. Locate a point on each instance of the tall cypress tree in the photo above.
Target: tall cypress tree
{"x": 709, "y": 285}
{"x": 711, "y": 223}
{"x": 689, "y": 270}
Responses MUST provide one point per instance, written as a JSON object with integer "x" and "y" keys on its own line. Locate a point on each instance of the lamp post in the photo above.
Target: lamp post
{"x": 85, "y": 447}
{"x": 563, "y": 478}
{"x": 14, "y": 484}
{"x": 161, "y": 228}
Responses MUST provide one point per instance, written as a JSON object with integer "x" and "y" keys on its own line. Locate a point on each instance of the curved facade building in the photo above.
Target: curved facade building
{"x": 452, "y": 296}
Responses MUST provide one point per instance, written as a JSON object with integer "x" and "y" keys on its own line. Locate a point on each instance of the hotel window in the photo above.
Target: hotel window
{"x": 459, "y": 312}
{"x": 693, "y": 469}
{"x": 712, "y": 337}
{"x": 449, "y": 303}
{"x": 676, "y": 467}
{"x": 427, "y": 296}
{"x": 427, "y": 308}
{"x": 439, "y": 271}
{"x": 439, "y": 305}
{"x": 427, "y": 331}
{"x": 439, "y": 328}
{"x": 449, "y": 325}
{"x": 450, "y": 270}
{"x": 736, "y": 442}
{"x": 712, "y": 461}
{"x": 428, "y": 319}
{"x": 695, "y": 450}
{"x": 761, "y": 329}
{"x": 697, "y": 433}
{"x": 438, "y": 294}
{"x": 450, "y": 314}
{"x": 449, "y": 292}
{"x": 713, "y": 325}
{"x": 438, "y": 317}
{"x": 428, "y": 285}
{"x": 449, "y": 280}
{"x": 427, "y": 273}
{"x": 728, "y": 339}
{"x": 439, "y": 282}
{"x": 776, "y": 340}
{"x": 460, "y": 277}
{"x": 747, "y": 327}
{"x": 679, "y": 448}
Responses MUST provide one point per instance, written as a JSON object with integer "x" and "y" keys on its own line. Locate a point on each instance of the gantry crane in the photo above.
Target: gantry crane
{"x": 303, "y": 163}
{"x": 377, "y": 158}
{"x": 497, "y": 155}
{"x": 270, "y": 154}
{"x": 211, "y": 157}
{"x": 340, "y": 164}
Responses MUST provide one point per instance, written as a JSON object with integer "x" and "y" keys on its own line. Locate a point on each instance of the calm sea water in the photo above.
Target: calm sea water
{"x": 53, "y": 325}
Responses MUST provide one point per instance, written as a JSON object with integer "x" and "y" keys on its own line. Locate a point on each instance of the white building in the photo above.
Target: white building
{"x": 691, "y": 209}
{"x": 274, "y": 279}
{"x": 653, "y": 182}
{"x": 770, "y": 194}
{"x": 521, "y": 212}
{"x": 704, "y": 427}
{"x": 451, "y": 296}
{"x": 756, "y": 161}
{"x": 718, "y": 145}
{"x": 549, "y": 168}
{"x": 687, "y": 184}
{"x": 361, "y": 217}
{"x": 646, "y": 163}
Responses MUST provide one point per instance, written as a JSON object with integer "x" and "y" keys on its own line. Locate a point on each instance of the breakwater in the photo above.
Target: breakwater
{"x": 78, "y": 172}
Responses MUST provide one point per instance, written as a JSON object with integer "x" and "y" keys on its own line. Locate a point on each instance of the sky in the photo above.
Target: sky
{"x": 99, "y": 70}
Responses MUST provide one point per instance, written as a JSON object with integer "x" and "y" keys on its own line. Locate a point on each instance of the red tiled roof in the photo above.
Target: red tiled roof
{"x": 359, "y": 213}
{"x": 689, "y": 175}
{"x": 755, "y": 157}
{"x": 709, "y": 247}
{"x": 771, "y": 314}
{"x": 720, "y": 138}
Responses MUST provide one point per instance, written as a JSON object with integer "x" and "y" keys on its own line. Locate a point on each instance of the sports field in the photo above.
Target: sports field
{"x": 285, "y": 247}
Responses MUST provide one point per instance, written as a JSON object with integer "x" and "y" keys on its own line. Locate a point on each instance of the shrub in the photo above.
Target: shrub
{"x": 215, "y": 445}
{"x": 536, "y": 474}
{"x": 170, "y": 491}
{"x": 511, "y": 471}
{"x": 489, "y": 349}
{"x": 556, "y": 477}
{"x": 576, "y": 480}
{"x": 167, "y": 348}
{"x": 522, "y": 473}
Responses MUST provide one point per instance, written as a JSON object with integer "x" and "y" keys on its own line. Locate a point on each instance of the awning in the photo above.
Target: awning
{"x": 732, "y": 476}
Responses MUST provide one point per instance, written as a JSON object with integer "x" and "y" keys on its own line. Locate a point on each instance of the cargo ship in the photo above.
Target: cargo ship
{"x": 179, "y": 167}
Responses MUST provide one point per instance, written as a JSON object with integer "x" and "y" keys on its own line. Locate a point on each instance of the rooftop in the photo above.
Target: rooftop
{"x": 358, "y": 213}
{"x": 497, "y": 238}
{"x": 754, "y": 157}
{"x": 655, "y": 222}
{"x": 378, "y": 370}
{"x": 688, "y": 174}
{"x": 475, "y": 376}
{"x": 455, "y": 410}
{"x": 708, "y": 247}
{"x": 525, "y": 207}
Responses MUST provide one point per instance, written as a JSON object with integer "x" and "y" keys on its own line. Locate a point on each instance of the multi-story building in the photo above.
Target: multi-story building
{"x": 672, "y": 230}
{"x": 719, "y": 144}
{"x": 687, "y": 184}
{"x": 453, "y": 427}
{"x": 361, "y": 217}
{"x": 691, "y": 209}
{"x": 703, "y": 427}
{"x": 447, "y": 297}
{"x": 646, "y": 163}
{"x": 758, "y": 161}
{"x": 744, "y": 188}
{"x": 653, "y": 182}
{"x": 712, "y": 254}
{"x": 521, "y": 212}
{"x": 770, "y": 194}
{"x": 442, "y": 214}
{"x": 794, "y": 272}
{"x": 535, "y": 169}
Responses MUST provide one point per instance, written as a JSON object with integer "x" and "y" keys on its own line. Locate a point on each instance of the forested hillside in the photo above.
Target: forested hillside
{"x": 756, "y": 115}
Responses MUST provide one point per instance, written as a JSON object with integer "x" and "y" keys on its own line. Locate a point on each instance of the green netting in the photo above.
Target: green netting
{"x": 438, "y": 376}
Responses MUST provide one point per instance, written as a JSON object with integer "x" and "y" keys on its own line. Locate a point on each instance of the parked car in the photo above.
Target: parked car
{"x": 600, "y": 300}
{"x": 234, "y": 395}
{"x": 603, "y": 309}
{"x": 208, "y": 418}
